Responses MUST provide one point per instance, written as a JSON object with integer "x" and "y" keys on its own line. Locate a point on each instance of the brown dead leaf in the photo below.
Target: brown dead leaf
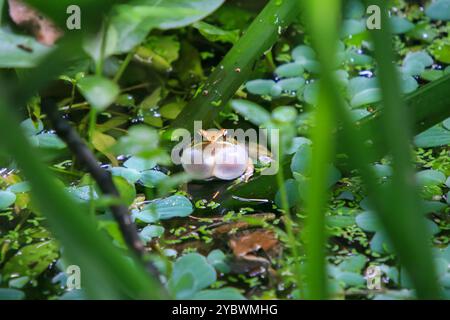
{"x": 249, "y": 242}
{"x": 43, "y": 29}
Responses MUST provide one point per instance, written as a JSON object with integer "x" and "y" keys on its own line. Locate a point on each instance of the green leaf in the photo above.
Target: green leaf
{"x": 100, "y": 92}
{"x": 368, "y": 221}
{"x": 214, "y": 33}
{"x": 351, "y": 27}
{"x": 11, "y": 294}
{"x": 434, "y": 137}
{"x": 150, "y": 232}
{"x": 292, "y": 84}
{"x": 172, "y": 109}
{"x": 135, "y": 19}
{"x": 217, "y": 259}
{"x": 439, "y": 10}
{"x": 353, "y": 263}
{"x": 159, "y": 51}
{"x": 259, "y": 86}
{"x": 251, "y": 111}
{"x": 195, "y": 265}
{"x": 292, "y": 188}
{"x": 432, "y": 75}
{"x": 18, "y": 51}
{"x": 288, "y": 70}
{"x": 171, "y": 207}
{"x": 301, "y": 161}
{"x": 48, "y": 140}
{"x": 7, "y": 198}
{"x": 152, "y": 178}
{"x": 408, "y": 84}
{"x": 430, "y": 178}
{"x": 306, "y": 57}
{"x": 31, "y": 128}
{"x": 363, "y": 91}
{"x": 354, "y": 9}
{"x": 219, "y": 294}
{"x": 139, "y": 164}
{"x": 31, "y": 260}
{"x": 126, "y": 189}
{"x": 400, "y": 25}
{"x": 20, "y": 187}
{"x": 131, "y": 175}
{"x": 284, "y": 114}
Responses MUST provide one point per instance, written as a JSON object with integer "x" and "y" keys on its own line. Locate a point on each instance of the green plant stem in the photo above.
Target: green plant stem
{"x": 292, "y": 240}
{"x": 238, "y": 64}
{"x": 321, "y": 20}
{"x": 124, "y": 65}
{"x": 403, "y": 211}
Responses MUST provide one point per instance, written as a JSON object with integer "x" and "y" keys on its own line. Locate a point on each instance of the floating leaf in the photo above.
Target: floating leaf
{"x": 11, "y": 294}
{"x": 171, "y": 207}
{"x": 352, "y": 26}
{"x": 400, "y": 25}
{"x": 284, "y": 114}
{"x": 20, "y": 187}
{"x": 139, "y": 164}
{"x": 152, "y": 178}
{"x": 7, "y": 198}
{"x": 430, "y": 177}
{"x": 292, "y": 84}
{"x": 434, "y": 137}
{"x": 439, "y": 10}
{"x": 306, "y": 57}
{"x": 311, "y": 92}
{"x": 363, "y": 91}
{"x": 219, "y": 294}
{"x": 217, "y": 259}
{"x": 259, "y": 86}
{"x": 368, "y": 221}
{"x": 251, "y": 111}
{"x": 288, "y": 70}
{"x": 150, "y": 232}
{"x": 193, "y": 272}
{"x": 432, "y": 75}
{"x": 128, "y": 174}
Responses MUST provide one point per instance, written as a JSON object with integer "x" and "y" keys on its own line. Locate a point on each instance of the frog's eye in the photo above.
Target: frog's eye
{"x": 231, "y": 161}
{"x": 198, "y": 163}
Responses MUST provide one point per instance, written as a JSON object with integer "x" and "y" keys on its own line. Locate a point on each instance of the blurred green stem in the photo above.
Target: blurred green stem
{"x": 292, "y": 240}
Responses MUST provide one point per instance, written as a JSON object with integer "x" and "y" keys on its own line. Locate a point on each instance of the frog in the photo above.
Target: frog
{"x": 222, "y": 156}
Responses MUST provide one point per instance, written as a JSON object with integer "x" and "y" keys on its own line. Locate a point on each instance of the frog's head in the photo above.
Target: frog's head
{"x": 213, "y": 135}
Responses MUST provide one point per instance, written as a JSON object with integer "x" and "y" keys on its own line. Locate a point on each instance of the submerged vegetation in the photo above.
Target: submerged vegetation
{"x": 359, "y": 208}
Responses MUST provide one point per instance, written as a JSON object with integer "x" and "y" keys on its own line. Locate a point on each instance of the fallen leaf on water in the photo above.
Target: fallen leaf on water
{"x": 249, "y": 242}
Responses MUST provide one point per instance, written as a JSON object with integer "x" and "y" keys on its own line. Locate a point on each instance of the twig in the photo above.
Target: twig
{"x": 103, "y": 178}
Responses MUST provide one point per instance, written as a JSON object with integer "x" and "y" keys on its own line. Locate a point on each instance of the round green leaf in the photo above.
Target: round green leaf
{"x": 251, "y": 111}
{"x": 289, "y": 70}
{"x": 439, "y": 10}
{"x": 171, "y": 207}
{"x": 259, "y": 86}
{"x": 100, "y": 92}
{"x": 152, "y": 178}
{"x": 7, "y": 198}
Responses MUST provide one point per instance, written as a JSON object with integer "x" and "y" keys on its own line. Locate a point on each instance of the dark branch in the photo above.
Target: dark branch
{"x": 103, "y": 178}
